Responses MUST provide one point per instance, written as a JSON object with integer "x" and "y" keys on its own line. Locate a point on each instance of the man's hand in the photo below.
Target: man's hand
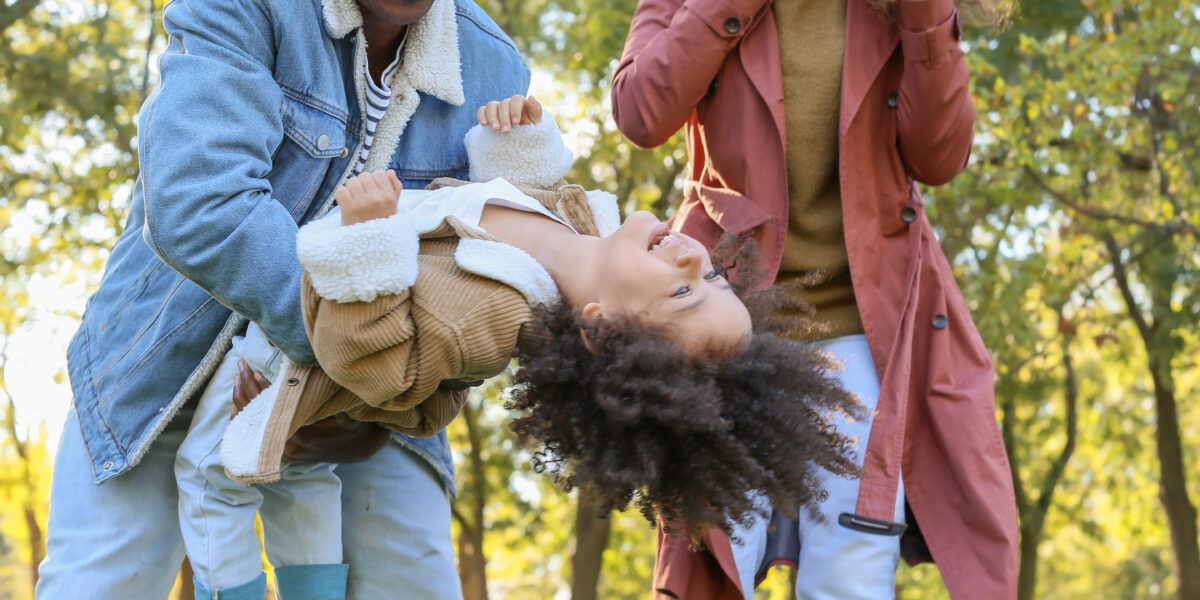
{"x": 503, "y": 114}
{"x": 368, "y": 196}
{"x": 337, "y": 439}
{"x": 247, "y": 386}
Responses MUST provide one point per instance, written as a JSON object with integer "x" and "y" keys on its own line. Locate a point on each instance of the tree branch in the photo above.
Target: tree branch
{"x": 1008, "y": 431}
{"x": 1121, "y": 276}
{"x": 1071, "y": 399}
{"x": 149, "y": 50}
{"x": 1061, "y": 198}
{"x": 11, "y": 13}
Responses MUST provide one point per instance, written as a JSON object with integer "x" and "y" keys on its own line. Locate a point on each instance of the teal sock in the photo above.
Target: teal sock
{"x": 312, "y": 582}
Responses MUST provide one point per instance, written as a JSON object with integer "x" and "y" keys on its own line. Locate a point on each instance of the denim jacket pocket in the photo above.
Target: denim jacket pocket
{"x": 313, "y": 138}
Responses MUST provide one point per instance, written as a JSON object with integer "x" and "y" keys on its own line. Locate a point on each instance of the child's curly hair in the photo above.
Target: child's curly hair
{"x": 627, "y": 414}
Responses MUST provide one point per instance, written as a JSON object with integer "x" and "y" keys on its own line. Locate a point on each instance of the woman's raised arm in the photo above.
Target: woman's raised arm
{"x": 674, "y": 49}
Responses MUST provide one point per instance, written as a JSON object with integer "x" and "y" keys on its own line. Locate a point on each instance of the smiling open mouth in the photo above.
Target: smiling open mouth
{"x": 661, "y": 237}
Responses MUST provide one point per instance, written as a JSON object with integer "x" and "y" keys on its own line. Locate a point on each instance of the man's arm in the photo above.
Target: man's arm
{"x": 206, "y": 141}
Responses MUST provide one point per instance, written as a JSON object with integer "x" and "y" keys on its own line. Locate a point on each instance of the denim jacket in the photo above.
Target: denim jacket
{"x": 257, "y": 121}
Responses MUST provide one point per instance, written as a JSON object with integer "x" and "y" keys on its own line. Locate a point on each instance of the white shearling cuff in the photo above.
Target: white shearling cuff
{"x": 357, "y": 263}
{"x": 531, "y": 155}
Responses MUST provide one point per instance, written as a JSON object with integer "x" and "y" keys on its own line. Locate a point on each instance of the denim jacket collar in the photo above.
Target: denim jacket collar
{"x": 431, "y": 62}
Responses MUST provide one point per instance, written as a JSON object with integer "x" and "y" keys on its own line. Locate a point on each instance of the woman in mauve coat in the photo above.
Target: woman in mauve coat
{"x": 809, "y": 124}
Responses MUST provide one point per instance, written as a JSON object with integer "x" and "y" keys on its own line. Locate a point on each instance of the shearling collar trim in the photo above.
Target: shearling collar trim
{"x": 509, "y": 265}
{"x": 431, "y": 59}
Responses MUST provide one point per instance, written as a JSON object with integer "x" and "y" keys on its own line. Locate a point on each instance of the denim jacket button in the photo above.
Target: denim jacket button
{"x": 323, "y": 143}
{"x": 345, "y": 151}
{"x": 107, "y": 465}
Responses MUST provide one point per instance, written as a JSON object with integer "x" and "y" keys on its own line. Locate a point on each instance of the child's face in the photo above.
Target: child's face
{"x": 666, "y": 278}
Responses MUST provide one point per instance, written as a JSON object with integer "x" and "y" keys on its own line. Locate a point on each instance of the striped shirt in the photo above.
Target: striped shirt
{"x": 378, "y": 98}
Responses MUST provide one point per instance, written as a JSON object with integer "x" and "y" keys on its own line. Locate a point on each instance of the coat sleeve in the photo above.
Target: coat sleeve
{"x": 674, "y": 50}
{"x": 937, "y": 118}
{"x": 208, "y": 203}
{"x": 357, "y": 299}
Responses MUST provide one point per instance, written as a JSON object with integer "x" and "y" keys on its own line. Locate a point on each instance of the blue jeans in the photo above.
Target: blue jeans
{"x": 122, "y": 539}
{"x": 835, "y": 563}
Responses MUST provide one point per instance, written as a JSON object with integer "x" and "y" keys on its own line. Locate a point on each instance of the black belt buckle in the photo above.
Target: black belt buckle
{"x": 870, "y": 525}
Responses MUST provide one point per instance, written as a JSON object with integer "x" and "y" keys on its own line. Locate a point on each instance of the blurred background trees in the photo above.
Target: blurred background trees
{"x": 1073, "y": 233}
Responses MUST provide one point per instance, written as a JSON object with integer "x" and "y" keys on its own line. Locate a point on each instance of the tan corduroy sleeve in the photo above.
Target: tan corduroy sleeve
{"x": 367, "y": 347}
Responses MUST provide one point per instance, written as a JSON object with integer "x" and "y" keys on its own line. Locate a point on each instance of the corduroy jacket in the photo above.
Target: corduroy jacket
{"x": 402, "y": 325}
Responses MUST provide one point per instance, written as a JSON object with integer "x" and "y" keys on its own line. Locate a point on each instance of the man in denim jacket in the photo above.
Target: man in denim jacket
{"x": 259, "y": 117}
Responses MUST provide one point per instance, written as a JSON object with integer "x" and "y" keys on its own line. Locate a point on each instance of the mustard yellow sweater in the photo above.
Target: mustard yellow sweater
{"x": 812, "y": 36}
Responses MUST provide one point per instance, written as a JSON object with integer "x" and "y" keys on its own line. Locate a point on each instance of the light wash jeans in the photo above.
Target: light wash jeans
{"x": 122, "y": 539}
{"x": 301, "y": 513}
{"x": 835, "y": 563}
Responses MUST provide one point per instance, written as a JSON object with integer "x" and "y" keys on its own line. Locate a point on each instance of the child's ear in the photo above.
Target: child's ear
{"x": 591, "y": 311}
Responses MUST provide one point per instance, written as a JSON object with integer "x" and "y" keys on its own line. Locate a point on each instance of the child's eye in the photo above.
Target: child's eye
{"x": 712, "y": 275}
{"x": 682, "y": 291}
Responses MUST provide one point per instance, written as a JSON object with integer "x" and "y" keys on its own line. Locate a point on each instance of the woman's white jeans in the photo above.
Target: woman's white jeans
{"x": 835, "y": 563}
{"x": 301, "y": 513}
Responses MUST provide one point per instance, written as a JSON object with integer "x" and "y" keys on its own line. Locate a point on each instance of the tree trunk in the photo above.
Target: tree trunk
{"x": 1181, "y": 515}
{"x": 1156, "y": 337}
{"x": 591, "y": 538}
{"x": 1031, "y": 537}
{"x": 472, "y": 564}
{"x": 35, "y": 541}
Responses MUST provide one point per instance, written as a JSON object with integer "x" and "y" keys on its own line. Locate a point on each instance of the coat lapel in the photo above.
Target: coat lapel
{"x": 759, "y": 54}
{"x": 869, "y": 44}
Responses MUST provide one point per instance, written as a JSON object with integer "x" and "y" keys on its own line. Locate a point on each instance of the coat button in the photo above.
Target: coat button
{"x": 893, "y": 100}
{"x": 323, "y": 143}
{"x": 733, "y": 25}
{"x": 940, "y": 321}
{"x": 908, "y": 214}
{"x": 293, "y": 381}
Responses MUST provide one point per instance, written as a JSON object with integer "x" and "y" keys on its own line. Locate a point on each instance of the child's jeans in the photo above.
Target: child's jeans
{"x": 301, "y": 513}
{"x": 835, "y": 563}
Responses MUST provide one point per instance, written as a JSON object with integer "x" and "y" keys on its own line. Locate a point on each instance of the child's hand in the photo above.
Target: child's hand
{"x": 502, "y": 115}
{"x": 368, "y": 196}
{"x": 247, "y": 385}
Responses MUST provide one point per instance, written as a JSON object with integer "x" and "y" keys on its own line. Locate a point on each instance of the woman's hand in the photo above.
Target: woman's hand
{"x": 368, "y": 196}
{"x": 502, "y": 115}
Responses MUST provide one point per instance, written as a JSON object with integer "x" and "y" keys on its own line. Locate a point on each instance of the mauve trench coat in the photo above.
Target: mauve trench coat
{"x": 906, "y": 116}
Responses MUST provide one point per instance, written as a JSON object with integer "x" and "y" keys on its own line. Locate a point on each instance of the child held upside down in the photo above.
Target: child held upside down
{"x": 644, "y": 376}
